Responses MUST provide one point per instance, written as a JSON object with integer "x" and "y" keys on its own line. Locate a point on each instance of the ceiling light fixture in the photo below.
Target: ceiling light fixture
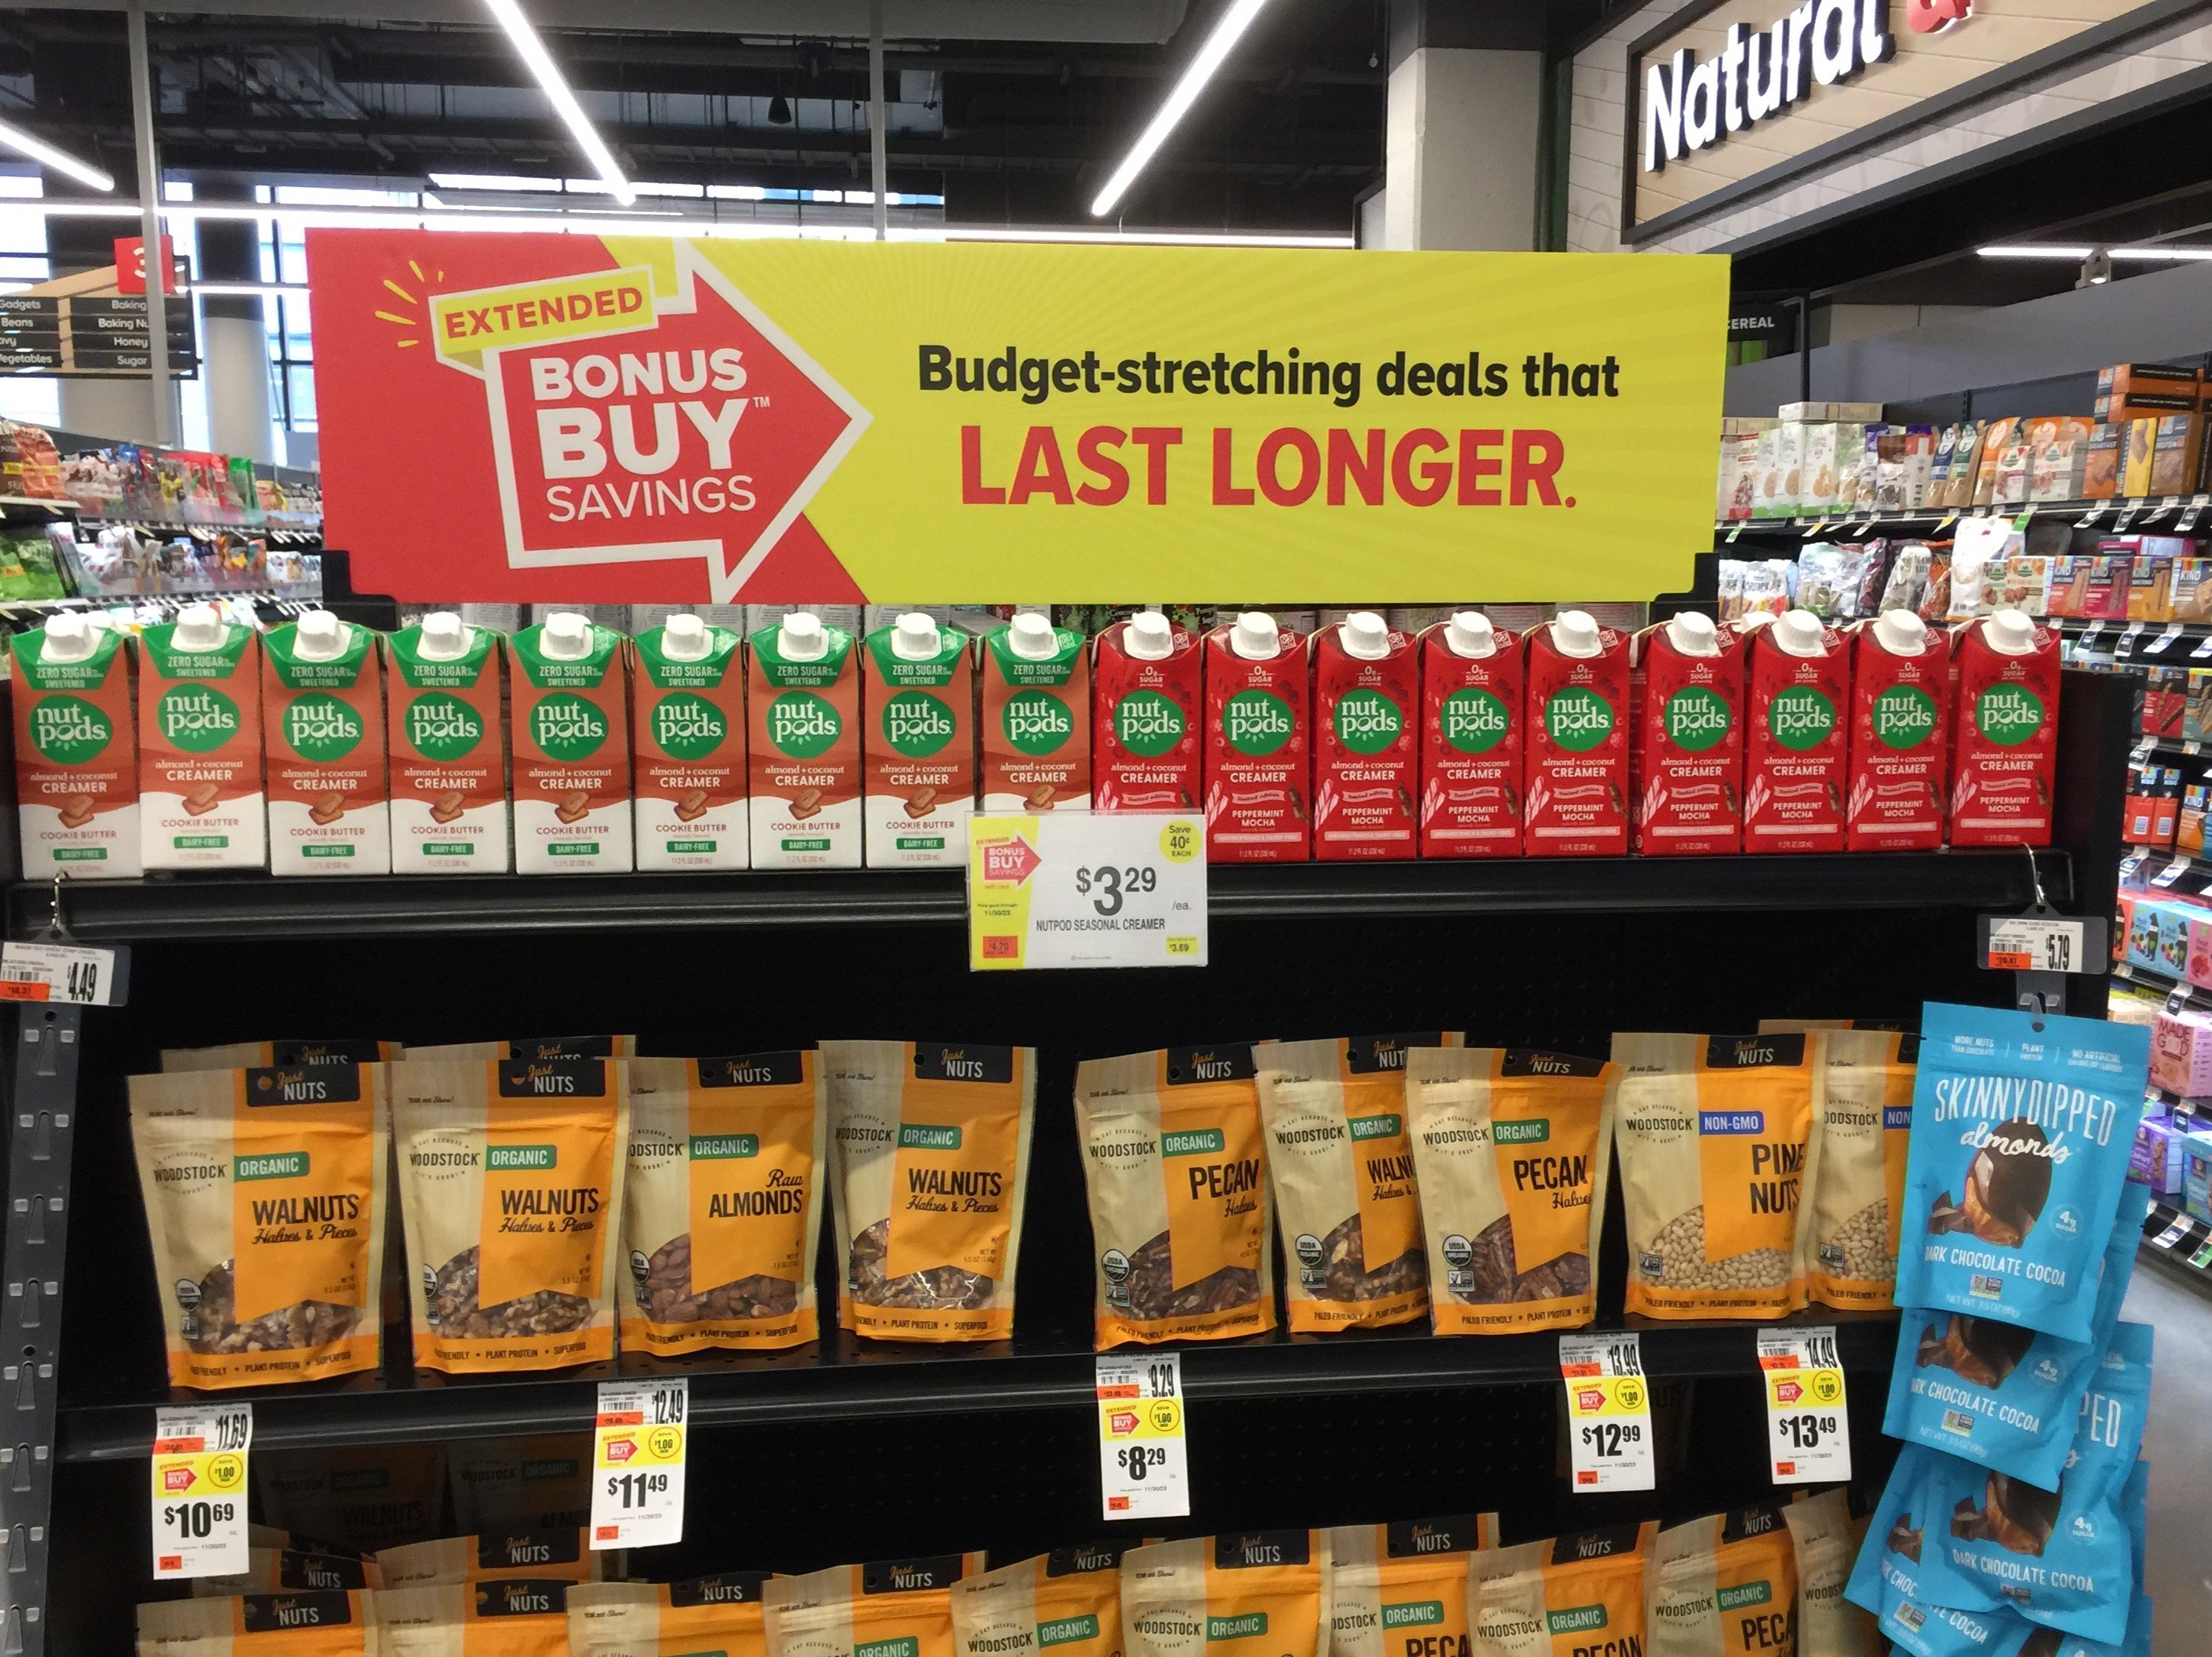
{"x": 2075, "y": 252}
{"x": 531, "y": 50}
{"x": 46, "y": 156}
{"x": 2096, "y": 269}
{"x": 1218, "y": 45}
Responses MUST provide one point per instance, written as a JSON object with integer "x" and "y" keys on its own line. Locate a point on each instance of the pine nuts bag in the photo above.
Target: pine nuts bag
{"x": 1400, "y": 1590}
{"x": 891, "y": 1608}
{"x": 708, "y": 1615}
{"x": 1573, "y": 1596}
{"x": 1343, "y": 1177}
{"x": 510, "y": 1176}
{"x": 1825, "y": 1535}
{"x": 1722, "y": 1587}
{"x": 265, "y": 1191}
{"x": 723, "y": 1206}
{"x": 1175, "y": 1163}
{"x": 1717, "y": 1140}
{"x": 513, "y": 1617}
{"x": 1254, "y": 1594}
{"x": 929, "y": 1158}
{"x": 1514, "y": 1149}
{"x": 467, "y": 1559}
{"x": 1068, "y": 1602}
{"x": 262, "y": 1055}
{"x": 333, "y": 1624}
{"x": 1859, "y": 1197}
{"x": 482, "y": 1052}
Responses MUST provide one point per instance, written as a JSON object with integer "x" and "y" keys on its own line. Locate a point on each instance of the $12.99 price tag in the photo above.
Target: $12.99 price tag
{"x": 199, "y": 1490}
{"x": 1808, "y": 1429}
{"x": 637, "y": 1463}
{"x": 1141, "y": 1464}
{"x": 1608, "y": 1412}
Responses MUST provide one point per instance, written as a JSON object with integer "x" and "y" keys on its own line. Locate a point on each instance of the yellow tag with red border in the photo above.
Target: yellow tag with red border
{"x": 1808, "y": 1427}
{"x": 1608, "y": 1412}
{"x": 198, "y": 1474}
{"x": 637, "y": 1463}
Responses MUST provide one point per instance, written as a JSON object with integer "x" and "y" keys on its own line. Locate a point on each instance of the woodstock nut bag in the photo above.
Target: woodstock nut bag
{"x": 353, "y": 1497}
{"x": 541, "y": 1483}
{"x": 1858, "y": 1200}
{"x": 483, "y": 1052}
{"x": 1068, "y": 1602}
{"x": 1252, "y": 1593}
{"x": 1343, "y": 1175}
{"x": 513, "y": 1617}
{"x": 563, "y": 1554}
{"x": 929, "y": 1146}
{"x": 312, "y": 1625}
{"x": 2021, "y": 1130}
{"x": 889, "y": 1608}
{"x": 1400, "y": 1590}
{"x": 1723, "y": 1586}
{"x": 1718, "y": 1139}
{"x": 249, "y": 1054}
{"x": 707, "y": 1617}
{"x": 281, "y": 1569}
{"x": 1175, "y": 1163}
{"x": 510, "y": 1175}
{"x": 1825, "y": 1539}
{"x": 722, "y": 1201}
{"x": 1513, "y": 1150}
{"x": 1574, "y": 1596}
{"x": 265, "y": 1193}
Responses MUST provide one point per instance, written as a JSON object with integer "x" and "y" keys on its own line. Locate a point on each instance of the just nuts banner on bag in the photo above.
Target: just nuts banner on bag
{"x": 653, "y": 420}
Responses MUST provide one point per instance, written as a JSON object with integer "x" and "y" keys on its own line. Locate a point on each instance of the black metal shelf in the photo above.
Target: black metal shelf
{"x": 2144, "y": 510}
{"x": 2180, "y": 1240}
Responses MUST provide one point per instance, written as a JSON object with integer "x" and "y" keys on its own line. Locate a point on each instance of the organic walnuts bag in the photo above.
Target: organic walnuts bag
{"x": 265, "y": 1193}
{"x": 1573, "y": 1596}
{"x": 1252, "y": 1594}
{"x": 1068, "y": 1602}
{"x": 718, "y": 1615}
{"x": 1717, "y": 1141}
{"x": 1722, "y": 1585}
{"x": 510, "y": 1176}
{"x": 929, "y": 1157}
{"x": 722, "y": 1202}
{"x": 333, "y": 1624}
{"x": 1859, "y": 1199}
{"x": 1343, "y": 1177}
{"x": 1514, "y": 1150}
{"x": 1400, "y": 1590}
{"x": 889, "y": 1608}
{"x": 1175, "y": 1163}
{"x": 511, "y": 1617}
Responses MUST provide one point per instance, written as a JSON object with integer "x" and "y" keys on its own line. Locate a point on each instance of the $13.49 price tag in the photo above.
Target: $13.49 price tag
{"x": 637, "y": 1463}
{"x": 1608, "y": 1412}
{"x": 199, "y": 1490}
{"x": 1808, "y": 1430}
{"x": 1141, "y": 1462}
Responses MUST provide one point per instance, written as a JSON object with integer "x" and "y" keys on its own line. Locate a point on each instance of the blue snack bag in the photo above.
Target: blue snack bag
{"x": 2021, "y": 1130}
{"x": 1895, "y": 1550}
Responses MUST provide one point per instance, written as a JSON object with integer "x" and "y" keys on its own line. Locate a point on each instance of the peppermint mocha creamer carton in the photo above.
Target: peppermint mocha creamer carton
{"x": 1149, "y": 714}
{"x": 1686, "y": 751}
{"x": 803, "y": 714}
{"x": 2004, "y": 731}
{"x": 76, "y": 755}
{"x": 1795, "y": 749}
{"x": 1900, "y": 692}
{"x": 1258, "y": 719}
{"x": 199, "y": 744}
{"x": 572, "y": 793}
{"x": 689, "y": 739}
{"x": 918, "y": 744}
{"x": 1577, "y": 723}
{"x": 1036, "y": 718}
{"x": 322, "y": 697}
{"x": 1366, "y": 699}
{"x": 1471, "y": 747}
{"x": 447, "y": 743}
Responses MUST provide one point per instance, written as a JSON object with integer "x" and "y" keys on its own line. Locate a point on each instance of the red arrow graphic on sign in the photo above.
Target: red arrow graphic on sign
{"x": 1014, "y": 859}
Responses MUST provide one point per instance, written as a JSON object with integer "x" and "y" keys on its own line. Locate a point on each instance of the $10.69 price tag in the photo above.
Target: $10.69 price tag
{"x": 1140, "y": 1444}
{"x": 637, "y": 1463}
{"x": 199, "y": 1490}
{"x": 1608, "y": 1412}
{"x": 1808, "y": 1430}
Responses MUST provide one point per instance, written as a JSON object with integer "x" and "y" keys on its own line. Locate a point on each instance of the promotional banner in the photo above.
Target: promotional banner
{"x": 567, "y": 419}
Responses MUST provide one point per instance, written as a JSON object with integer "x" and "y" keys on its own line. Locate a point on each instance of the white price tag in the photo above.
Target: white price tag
{"x": 2172, "y": 1234}
{"x": 74, "y": 974}
{"x": 2031, "y": 943}
{"x": 199, "y": 1490}
{"x": 2197, "y": 505}
{"x": 1086, "y": 889}
{"x": 1809, "y": 1431}
{"x": 1608, "y": 1413}
{"x": 1142, "y": 1466}
{"x": 637, "y": 1463}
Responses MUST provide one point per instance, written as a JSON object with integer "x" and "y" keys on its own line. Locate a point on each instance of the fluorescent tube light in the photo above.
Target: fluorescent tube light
{"x": 46, "y": 156}
{"x": 1210, "y": 55}
{"x": 534, "y": 56}
{"x": 2075, "y": 251}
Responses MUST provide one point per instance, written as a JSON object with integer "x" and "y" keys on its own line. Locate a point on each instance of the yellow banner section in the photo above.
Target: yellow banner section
{"x": 465, "y": 325}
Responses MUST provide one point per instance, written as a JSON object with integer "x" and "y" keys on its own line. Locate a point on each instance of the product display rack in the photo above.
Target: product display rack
{"x": 2185, "y": 512}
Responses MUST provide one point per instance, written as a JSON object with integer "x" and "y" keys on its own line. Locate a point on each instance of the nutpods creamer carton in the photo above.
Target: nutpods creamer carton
{"x": 571, "y": 711}
{"x": 448, "y": 744}
{"x": 1472, "y": 756}
{"x": 1796, "y": 755}
{"x": 1366, "y": 764}
{"x": 199, "y": 744}
{"x": 1036, "y": 718}
{"x": 1148, "y": 711}
{"x": 2004, "y": 731}
{"x": 1577, "y": 715}
{"x": 322, "y": 701}
{"x": 1900, "y": 691}
{"x": 688, "y": 706}
{"x": 918, "y": 744}
{"x": 803, "y": 714}
{"x": 76, "y": 753}
{"x": 1685, "y": 751}
{"x": 1258, "y": 719}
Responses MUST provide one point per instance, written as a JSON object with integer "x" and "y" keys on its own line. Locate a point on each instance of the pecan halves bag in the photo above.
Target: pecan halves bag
{"x": 1579, "y": 1593}
{"x": 1514, "y": 1149}
{"x": 888, "y": 1608}
{"x": 1252, "y": 1593}
{"x": 723, "y": 1202}
{"x": 265, "y": 1193}
{"x": 1824, "y": 1536}
{"x": 929, "y": 1156}
{"x": 329, "y": 1624}
{"x": 1174, "y": 1162}
{"x": 510, "y": 1176}
{"x": 1859, "y": 1197}
{"x": 1400, "y": 1590}
{"x": 719, "y": 1614}
{"x": 1722, "y": 1585}
{"x": 1067, "y": 1601}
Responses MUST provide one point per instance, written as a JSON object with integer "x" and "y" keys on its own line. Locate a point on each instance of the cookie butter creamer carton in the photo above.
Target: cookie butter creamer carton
{"x": 803, "y": 718}
{"x": 1147, "y": 713}
{"x": 571, "y": 798}
{"x": 689, "y": 739}
{"x": 918, "y": 747}
{"x": 322, "y": 696}
{"x": 199, "y": 744}
{"x": 1796, "y": 753}
{"x": 1257, "y": 716}
{"x": 448, "y": 748}
{"x": 1686, "y": 752}
{"x": 1367, "y": 697}
{"x": 1577, "y": 703}
{"x": 1036, "y": 718}
{"x": 77, "y": 760}
{"x": 1900, "y": 687}
{"x": 1471, "y": 750}
{"x": 2004, "y": 731}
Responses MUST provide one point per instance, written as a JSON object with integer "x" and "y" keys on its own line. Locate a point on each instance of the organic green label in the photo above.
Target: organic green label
{"x": 534, "y": 1159}
{"x": 271, "y": 1165}
{"x": 1066, "y": 1630}
{"x": 197, "y": 718}
{"x": 920, "y": 1136}
{"x": 1799, "y": 718}
{"x": 1366, "y": 722}
{"x": 566, "y": 726}
{"x": 725, "y": 1146}
{"x": 1747, "y": 1593}
{"x": 69, "y": 730}
{"x": 1147, "y": 723}
{"x": 1904, "y": 716}
{"x": 1035, "y": 721}
{"x": 906, "y": 1645}
{"x": 1475, "y": 721}
{"x": 2008, "y": 714}
{"x": 441, "y": 727}
{"x": 319, "y": 727}
{"x": 803, "y": 725}
{"x": 1252, "y": 1623}
{"x": 917, "y": 724}
{"x": 1194, "y": 1142}
{"x": 1697, "y": 718}
{"x": 1419, "y": 1613}
{"x": 1578, "y": 719}
{"x": 1520, "y": 1133}
{"x": 1577, "y": 1619}
{"x": 1257, "y": 723}
{"x": 1376, "y": 1127}
{"x": 687, "y": 726}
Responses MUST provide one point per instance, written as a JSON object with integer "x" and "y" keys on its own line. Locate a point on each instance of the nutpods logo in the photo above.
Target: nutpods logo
{"x": 442, "y": 726}
{"x": 1799, "y": 718}
{"x": 1904, "y": 716}
{"x": 320, "y": 728}
{"x": 1578, "y": 719}
{"x": 687, "y": 726}
{"x": 1473, "y": 721}
{"x": 196, "y": 717}
{"x": 1257, "y": 723}
{"x": 1697, "y": 719}
{"x": 803, "y": 725}
{"x": 2008, "y": 714}
{"x": 917, "y": 724}
{"x": 1147, "y": 723}
{"x": 568, "y": 727}
{"x": 69, "y": 730}
{"x": 1367, "y": 721}
{"x": 1035, "y": 721}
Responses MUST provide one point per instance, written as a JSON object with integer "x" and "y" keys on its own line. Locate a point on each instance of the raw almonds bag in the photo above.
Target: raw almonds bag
{"x": 1717, "y": 1141}
{"x": 510, "y": 1176}
{"x": 929, "y": 1157}
{"x": 513, "y": 1616}
{"x": 1252, "y": 1593}
{"x": 1400, "y": 1590}
{"x": 1723, "y": 1586}
{"x": 466, "y": 1559}
{"x": 334, "y": 1625}
{"x": 1573, "y": 1596}
{"x": 1067, "y": 1601}
{"x": 264, "y": 1192}
{"x": 891, "y": 1608}
{"x": 722, "y": 1204}
{"x": 1859, "y": 1197}
{"x": 707, "y": 1617}
{"x": 1176, "y": 1166}
{"x": 1824, "y": 1536}
{"x": 1514, "y": 1150}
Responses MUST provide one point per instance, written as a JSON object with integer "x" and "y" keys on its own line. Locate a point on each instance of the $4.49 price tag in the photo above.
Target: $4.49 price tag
{"x": 1808, "y": 1430}
{"x": 199, "y": 1490}
{"x": 1141, "y": 1462}
{"x": 637, "y": 1463}
{"x": 67, "y": 974}
{"x": 1608, "y": 1413}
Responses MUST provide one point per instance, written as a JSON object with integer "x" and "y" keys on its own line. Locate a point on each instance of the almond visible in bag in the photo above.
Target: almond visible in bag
{"x": 715, "y": 1616}
{"x": 1723, "y": 1586}
{"x": 334, "y": 1625}
{"x": 514, "y": 1616}
{"x": 891, "y": 1608}
{"x": 563, "y": 1554}
{"x": 1575, "y": 1596}
{"x": 1859, "y": 1199}
{"x": 1400, "y": 1590}
{"x": 1067, "y": 1601}
{"x": 1256, "y": 1593}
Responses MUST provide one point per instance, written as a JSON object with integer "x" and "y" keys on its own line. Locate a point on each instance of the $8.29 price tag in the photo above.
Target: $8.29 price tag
{"x": 1808, "y": 1429}
{"x": 1608, "y": 1412}
{"x": 637, "y": 1463}
{"x": 199, "y": 1490}
{"x": 1141, "y": 1461}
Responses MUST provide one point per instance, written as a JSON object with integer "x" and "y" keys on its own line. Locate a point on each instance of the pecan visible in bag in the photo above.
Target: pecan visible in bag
{"x": 211, "y": 1323}
{"x": 454, "y": 1310}
{"x": 945, "y": 1286}
{"x": 665, "y": 1295}
{"x": 1153, "y": 1292}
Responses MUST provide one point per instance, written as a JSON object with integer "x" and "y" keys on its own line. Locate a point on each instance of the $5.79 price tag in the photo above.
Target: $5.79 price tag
{"x": 2034, "y": 943}
{"x": 1808, "y": 1430}
{"x": 1608, "y": 1412}
{"x": 199, "y": 1490}
{"x": 637, "y": 1463}
{"x": 1141, "y": 1461}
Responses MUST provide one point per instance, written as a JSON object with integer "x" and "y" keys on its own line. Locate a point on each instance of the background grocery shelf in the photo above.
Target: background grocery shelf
{"x": 2140, "y": 514}
{"x": 2183, "y": 1242}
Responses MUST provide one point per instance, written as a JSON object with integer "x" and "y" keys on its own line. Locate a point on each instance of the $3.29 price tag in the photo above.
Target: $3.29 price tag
{"x": 1608, "y": 1412}
{"x": 199, "y": 1490}
{"x": 1141, "y": 1463}
{"x": 1069, "y": 889}
{"x": 637, "y": 1463}
{"x": 1808, "y": 1430}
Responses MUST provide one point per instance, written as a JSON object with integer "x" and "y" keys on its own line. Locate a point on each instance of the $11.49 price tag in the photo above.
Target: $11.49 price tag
{"x": 199, "y": 1490}
{"x": 1141, "y": 1462}
{"x": 1608, "y": 1412}
{"x": 637, "y": 1463}
{"x": 1808, "y": 1430}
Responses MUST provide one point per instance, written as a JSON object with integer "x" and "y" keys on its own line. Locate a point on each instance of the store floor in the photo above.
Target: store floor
{"x": 2180, "y": 1563}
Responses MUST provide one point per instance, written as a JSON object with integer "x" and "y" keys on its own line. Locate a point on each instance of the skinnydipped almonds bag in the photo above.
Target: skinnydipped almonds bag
{"x": 889, "y": 1608}
{"x": 1859, "y": 1197}
{"x": 564, "y": 1554}
{"x": 265, "y": 1193}
{"x": 1175, "y": 1163}
{"x": 1067, "y": 1601}
{"x": 510, "y": 1175}
{"x": 1717, "y": 1141}
{"x": 929, "y": 1155}
{"x": 1572, "y": 1596}
{"x": 1723, "y": 1586}
{"x": 1343, "y": 1177}
{"x": 1825, "y": 1535}
{"x": 1250, "y": 1593}
{"x": 1514, "y": 1150}
{"x": 332, "y": 1624}
{"x": 1400, "y": 1590}
{"x": 707, "y": 1617}
{"x": 722, "y": 1202}
{"x": 511, "y": 1617}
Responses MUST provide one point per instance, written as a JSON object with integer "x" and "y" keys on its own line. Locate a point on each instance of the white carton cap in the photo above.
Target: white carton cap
{"x": 199, "y": 628}
{"x": 320, "y": 636}
{"x": 1033, "y": 638}
{"x": 1469, "y": 633}
{"x": 2010, "y": 632}
{"x": 915, "y": 638}
{"x": 1255, "y": 637}
{"x": 1692, "y": 634}
{"x": 800, "y": 636}
{"x": 1150, "y": 636}
{"x": 1365, "y": 636}
{"x": 567, "y": 636}
{"x": 684, "y": 637}
{"x": 1574, "y": 633}
{"x": 69, "y": 637}
{"x": 1797, "y": 633}
{"x": 445, "y": 636}
{"x": 1901, "y": 632}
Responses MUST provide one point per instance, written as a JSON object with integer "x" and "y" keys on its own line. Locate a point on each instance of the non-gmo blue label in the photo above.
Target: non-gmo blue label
{"x": 1896, "y": 1118}
{"x": 1731, "y": 1122}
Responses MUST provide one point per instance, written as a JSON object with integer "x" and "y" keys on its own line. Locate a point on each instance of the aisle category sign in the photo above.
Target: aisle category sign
{"x": 198, "y": 1476}
{"x": 651, "y": 419}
